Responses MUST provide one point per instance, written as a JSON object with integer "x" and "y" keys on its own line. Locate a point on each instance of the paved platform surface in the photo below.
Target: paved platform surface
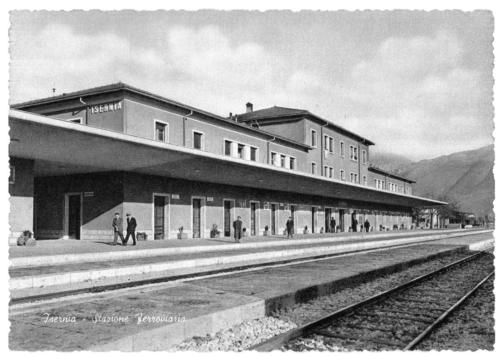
{"x": 47, "y": 279}
{"x": 62, "y": 247}
{"x": 38, "y": 270}
{"x": 198, "y": 306}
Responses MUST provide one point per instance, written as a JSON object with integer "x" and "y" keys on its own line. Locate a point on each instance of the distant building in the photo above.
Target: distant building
{"x": 78, "y": 158}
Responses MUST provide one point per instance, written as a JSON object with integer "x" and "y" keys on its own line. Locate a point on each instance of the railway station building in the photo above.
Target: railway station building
{"x": 78, "y": 158}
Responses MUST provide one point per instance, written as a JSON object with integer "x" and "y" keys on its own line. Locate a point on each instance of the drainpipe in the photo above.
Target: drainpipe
{"x": 86, "y": 111}
{"x": 360, "y": 156}
{"x": 184, "y": 119}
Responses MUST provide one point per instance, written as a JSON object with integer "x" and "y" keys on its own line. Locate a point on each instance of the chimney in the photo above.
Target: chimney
{"x": 249, "y": 107}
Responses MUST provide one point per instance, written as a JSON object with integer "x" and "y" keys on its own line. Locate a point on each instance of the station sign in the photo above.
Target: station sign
{"x": 107, "y": 107}
{"x": 175, "y": 196}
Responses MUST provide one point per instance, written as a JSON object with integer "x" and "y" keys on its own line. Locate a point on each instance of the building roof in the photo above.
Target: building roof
{"x": 279, "y": 112}
{"x": 389, "y": 174}
{"x": 128, "y": 88}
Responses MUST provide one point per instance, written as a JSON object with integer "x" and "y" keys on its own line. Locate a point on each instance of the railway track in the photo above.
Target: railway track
{"x": 396, "y": 319}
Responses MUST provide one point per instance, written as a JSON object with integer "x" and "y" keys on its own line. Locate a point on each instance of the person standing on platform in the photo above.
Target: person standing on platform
{"x": 289, "y": 228}
{"x": 367, "y": 225}
{"x": 131, "y": 225}
{"x": 237, "y": 225}
{"x": 333, "y": 224}
{"x": 118, "y": 229}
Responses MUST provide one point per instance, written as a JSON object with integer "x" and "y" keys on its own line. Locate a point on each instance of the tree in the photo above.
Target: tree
{"x": 443, "y": 212}
{"x": 417, "y": 214}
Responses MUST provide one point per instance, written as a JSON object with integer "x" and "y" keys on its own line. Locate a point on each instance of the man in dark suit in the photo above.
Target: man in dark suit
{"x": 237, "y": 225}
{"x": 289, "y": 228}
{"x": 367, "y": 225}
{"x": 131, "y": 225}
{"x": 118, "y": 228}
{"x": 333, "y": 225}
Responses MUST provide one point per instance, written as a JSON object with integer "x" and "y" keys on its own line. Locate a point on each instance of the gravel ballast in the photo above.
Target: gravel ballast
{"x": 252, "y": 332}
{"x": 470, "y": 328}
{"x": 390, "y": 324}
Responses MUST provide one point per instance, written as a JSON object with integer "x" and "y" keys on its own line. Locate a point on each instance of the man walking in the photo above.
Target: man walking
{"x": 131, "y": 225}
{"x": 289, "y": 228}
{"x": 118, "y": 229}
{"x": 367, "y": 225}
{"x": 237, "y": 224}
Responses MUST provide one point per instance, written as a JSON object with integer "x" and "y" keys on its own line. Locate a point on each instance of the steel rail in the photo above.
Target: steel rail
{"x": 309, "y": 328}
{"x": 445, "y": 314}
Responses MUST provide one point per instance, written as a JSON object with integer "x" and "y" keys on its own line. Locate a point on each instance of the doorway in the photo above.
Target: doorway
{"x": 273, "y": 219}
{"x": 313, "y": 220}
{"x": 341, "y": 220}
{"x": 253, "y": 219}
{"x": 160, "y": 201}
{"x": 74, "y": 211}
{"x": 328, "y": 218}
{"x": 292, "y": 213}
{"x": 196, "y": 218}
{"x": 227, "y": 218}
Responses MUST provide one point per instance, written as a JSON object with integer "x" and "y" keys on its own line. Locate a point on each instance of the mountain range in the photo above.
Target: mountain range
{"x": 465, "y": 178}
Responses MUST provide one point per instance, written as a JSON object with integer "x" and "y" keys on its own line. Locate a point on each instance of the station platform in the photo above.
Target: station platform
{"x": 155, "y": 317}
{"x": 45, "y": 274}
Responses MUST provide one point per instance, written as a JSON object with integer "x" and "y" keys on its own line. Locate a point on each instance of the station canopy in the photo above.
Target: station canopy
{"x": 61, "y": 148}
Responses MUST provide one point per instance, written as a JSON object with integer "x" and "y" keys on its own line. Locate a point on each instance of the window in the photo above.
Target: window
{"x": 328, "y": 144}
{"x": 342, "y": 151}
{"x": 328, "y": 172}
{"x": 227, "y": 147}
{"x": 313, "y": 168}
{"x": 160, "y": 131}
{"x": 325, "y": 171}
{"x": 313, "y": 138}
{"x": 379, "y": 184}
{"x": 197, "y": 140}
{"x": 365, "y": 181}
{"x": 253, "y": 154}
{"x": 273, "y": 158}
{"x": 365, "y": 157}
{"x": 353, "y": 153}
{"x": 342, "y": 174}
{"x": 283, "y": 160}
{"x": 240, "y": 150}
{"x": 12, "y": 175}
{"x": 352, "y": 177}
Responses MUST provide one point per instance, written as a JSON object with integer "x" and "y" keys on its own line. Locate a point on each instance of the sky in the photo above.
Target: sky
{"x": 418, "y": 84}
